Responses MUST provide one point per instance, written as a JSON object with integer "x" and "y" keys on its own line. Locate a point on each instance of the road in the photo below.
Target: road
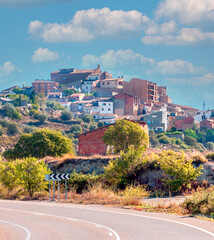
{"x": 45, "y": 220}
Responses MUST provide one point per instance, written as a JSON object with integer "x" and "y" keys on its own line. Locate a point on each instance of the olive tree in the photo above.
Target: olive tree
{"x": 124, "y": 134}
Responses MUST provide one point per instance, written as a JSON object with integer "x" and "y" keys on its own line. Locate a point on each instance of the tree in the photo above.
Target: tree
{"x": 32, "y": 175}
{"x": 191, "y": 133}
{"x": 100, "y": 124}
{"x": 118, "y": 171}
{"x": 65, "y": 115}
{"x": 39, "y": 144}
{"x": 42, "y": 118}
{"x": 191, "y": 141}
{"x": 11, "y": 111}
{"x": 87, "y": 118}
{"x": 124, "y": 134}
{"x": 12, "y": 128}
{"x": 153, "y": 140}
{"x": 178, "y": 170}
{"x": 92, "y": 126}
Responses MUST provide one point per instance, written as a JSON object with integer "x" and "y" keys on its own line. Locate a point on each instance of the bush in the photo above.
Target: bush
{"x": 92, "y": 126}
{"x": 42, "y": 118}
{"x": 81, "y": 182}
{"x": 164, "y": 140}
{"x": 28, "y": 173}
{"x": 201, "y": 202}
{"x": 28, "y": 129}
{"x": 178, "y": 170}
{"x": 210, "y": 146}
{"x": 55, "y": 105}
{"x": 11, "y": 111}
{"x": 65, "y": 116}
{"x": 210, "y": 156}
{"x": 87, "y": 118}
{"x": 118, "y": 171}
{"x": 39, "y": 144}
{"x": 3, "y": 123}
{"x": 76, "y": 128}
{"x": 153, "y": 140}
{"x": 136, "y": 192}
{"x": 12, "y": 128}
{"x": 191, "y": 141}
{"x": 198, "y": 159}
{"x": 100, "y": 124}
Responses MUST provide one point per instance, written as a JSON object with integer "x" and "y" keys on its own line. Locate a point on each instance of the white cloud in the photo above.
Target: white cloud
{"x": 186, "y": 11}
{"x": 184, "y": 36}
{"x": 129, "y": 59}
{"x": 198, "y": 81}
{"x": 90, "y": 24}
{"x": 29, "y": 3}
{"x": 44, "y": 55}
{"x": 176, "y": 67}
{"x": 7, "y": 69}
{"x": 119, "y": 58}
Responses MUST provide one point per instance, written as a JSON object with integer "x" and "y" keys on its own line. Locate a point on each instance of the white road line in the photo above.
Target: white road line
{"x": 17, "y": 225}
{"x": 120, "y": 213}
{"x": 70, "y": 219}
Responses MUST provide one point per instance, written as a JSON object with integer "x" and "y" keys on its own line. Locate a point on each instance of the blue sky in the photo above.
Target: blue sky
{"x": 169, "y": 42}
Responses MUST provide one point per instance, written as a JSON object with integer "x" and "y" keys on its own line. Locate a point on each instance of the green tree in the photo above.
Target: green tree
{"x": 100, "y": 124}
{"x": 210, "y": 135}
{"x": 191, "y": 133}
{"x": 12, "y": 128}
{"x": 92, "y": 126}
{"x": 11, "y": 111}
{"x": 153, "y": 140}
{"x": 32, "y": 175}
{"x": 42, "y": 118}
{"x": 191, "y": 141}
{"x": 65, "y": 115}
{"x": 87, "y": 118}
{"x": 124, "y": 134}
{"x": 39, "y": 144}
{"x": 117, "y": 172}
{"x": 178, "y": 170}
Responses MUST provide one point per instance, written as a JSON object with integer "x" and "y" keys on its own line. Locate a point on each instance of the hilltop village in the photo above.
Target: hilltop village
{"x": 96, "y": 93}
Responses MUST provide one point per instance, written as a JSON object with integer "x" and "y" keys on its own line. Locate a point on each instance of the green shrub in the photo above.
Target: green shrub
{"x": 92, "y": 126}
{"x": 210, "y": 156}
{"x": 198, "y": 159}
{"x": 191, "y": 141}
{"x": 201, "y": 202}
{"x": 210, "y": 146}
{"x": 153, "y": 140}
{"x": 100, "y": 124}
{"x": 3, "y": 123}
{"x": 81, "y": 182}
{"x": 42, "y": 118}
{"x": 164, "y": 140}
{"x": 11, "y": 111}
{"x": 65, "y": 115}
{"x": 76, "y": 128}
{"x": 178, "y": 170}
{"x": 28, "y": 129}
{"x": 12, "y": 128}
{"x": 87, "y": 118}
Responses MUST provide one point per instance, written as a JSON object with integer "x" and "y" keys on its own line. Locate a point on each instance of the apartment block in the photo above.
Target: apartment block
{"x": 44, "y": 86}
{"x": 143, "y": 89}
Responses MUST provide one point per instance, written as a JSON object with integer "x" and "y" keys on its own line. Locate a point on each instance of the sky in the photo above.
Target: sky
{"x": 169, "y": 42}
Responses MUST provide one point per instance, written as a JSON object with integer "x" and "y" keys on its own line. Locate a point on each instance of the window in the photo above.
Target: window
{"x": 103, "y": 83}
{"x": 108, "y": 83}
{"x": 103, "y": 104}
{"x": 102, "y": 109}
{"x": 109, "y": 109}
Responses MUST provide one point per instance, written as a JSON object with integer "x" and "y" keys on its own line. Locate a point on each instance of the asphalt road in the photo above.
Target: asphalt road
{"x": 44, "y": 221}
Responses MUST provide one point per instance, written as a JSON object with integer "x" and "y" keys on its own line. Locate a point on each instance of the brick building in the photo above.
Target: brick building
{"x": 184, "y": 123}
{"x": 143, "y": 89}
{"x": 44, "y": 86}
{"x": 91, "y": 142}
{"x": 207, "y": 124}
{"x": 162, "y": 95}
{"x": 125, "y": 104}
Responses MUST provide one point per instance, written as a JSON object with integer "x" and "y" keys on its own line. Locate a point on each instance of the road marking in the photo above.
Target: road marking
{"x": 119, "y": 213}
{"x": 70, "y": 219}
{"x": 17, "y": 225}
